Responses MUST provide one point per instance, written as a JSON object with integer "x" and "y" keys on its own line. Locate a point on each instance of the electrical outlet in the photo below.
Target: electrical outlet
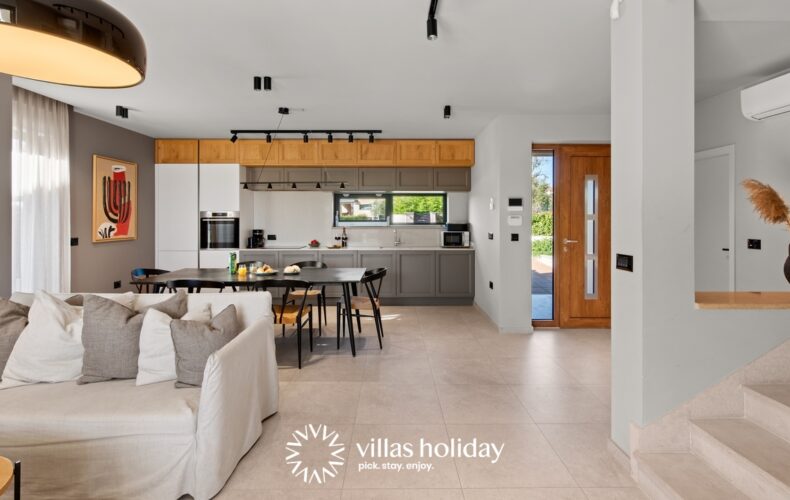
{"x": 754, "y": 244}
{"x": 491, "y": 285}
{"x": 116, "y": 284}
{"x": 75, "y": 242}
{"x": 490, "y": 236}
{"x": 514, "y": 237}
{"x": 271, "y": 237}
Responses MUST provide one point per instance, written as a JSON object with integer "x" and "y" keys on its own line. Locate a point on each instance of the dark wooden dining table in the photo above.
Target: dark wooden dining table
{"x": 344, "y": 277}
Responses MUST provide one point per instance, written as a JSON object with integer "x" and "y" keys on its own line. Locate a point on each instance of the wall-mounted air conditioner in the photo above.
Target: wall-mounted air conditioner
{"x": 766, "y": 99}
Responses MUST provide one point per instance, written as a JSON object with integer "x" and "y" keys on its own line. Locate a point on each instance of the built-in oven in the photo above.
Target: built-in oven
{"x": 455, "y": 239}
{"x": 219, "y": 230}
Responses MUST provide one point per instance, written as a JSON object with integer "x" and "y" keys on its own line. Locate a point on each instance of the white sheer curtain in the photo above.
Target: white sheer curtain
{"x": 41, "y": 214}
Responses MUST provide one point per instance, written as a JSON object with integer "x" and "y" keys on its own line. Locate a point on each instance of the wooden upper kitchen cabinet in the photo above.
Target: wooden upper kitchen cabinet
{"x": 257, "y": 152}
{"x": 218, "y": 151}
{"x": 416, "y": 153}
{"x": 337, "y": 153}
{"x": 380, "y": 153}
{"x": 297, "y": 152}
{"x": 459, "y": 152}
{"x": 176, "y": 151}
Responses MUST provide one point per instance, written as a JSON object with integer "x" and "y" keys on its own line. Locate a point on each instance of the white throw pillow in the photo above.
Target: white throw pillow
{"x": 50, "y": 347}
{"x": 157, "y": 361}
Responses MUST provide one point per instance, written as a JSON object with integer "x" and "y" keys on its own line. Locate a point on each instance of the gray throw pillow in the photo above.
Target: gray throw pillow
{"x": 111, "y": 336}
{"x": 13, "y": 319}
{"x": 195, "y": 341}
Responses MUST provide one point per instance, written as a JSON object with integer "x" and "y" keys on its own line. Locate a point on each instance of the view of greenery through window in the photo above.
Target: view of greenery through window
{"x": 542, "y": 205}
{"x": 377, "y": 210}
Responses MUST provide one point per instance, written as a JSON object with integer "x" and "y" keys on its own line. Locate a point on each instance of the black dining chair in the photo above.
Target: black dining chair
{"x": 371, "y": 283}
{"x": 195, "y": 286}
{"x": 291, "y": 311}
{"x": 142, "y": 273}
{"x": 320, "y": 295}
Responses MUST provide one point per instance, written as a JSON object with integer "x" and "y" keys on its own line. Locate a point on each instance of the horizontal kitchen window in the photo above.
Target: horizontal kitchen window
{"x": 384, "y": 209}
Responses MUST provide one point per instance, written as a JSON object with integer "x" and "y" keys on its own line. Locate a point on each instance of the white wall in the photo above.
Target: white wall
{"x": 298, "y": 217}
{"x": 503, "y": 169}
{"x": 682, "y": 350}
{"x": 762, "y": 152}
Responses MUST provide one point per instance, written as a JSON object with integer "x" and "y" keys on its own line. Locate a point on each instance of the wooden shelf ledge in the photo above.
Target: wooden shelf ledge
{"x": 742, "y": 300}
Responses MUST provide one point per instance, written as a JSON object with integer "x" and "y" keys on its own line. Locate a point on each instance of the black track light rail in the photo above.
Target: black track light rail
{"x": 302, "y": 132}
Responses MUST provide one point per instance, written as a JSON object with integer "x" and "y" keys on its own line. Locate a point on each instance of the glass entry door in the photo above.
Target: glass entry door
{"x": 543, "y": 300}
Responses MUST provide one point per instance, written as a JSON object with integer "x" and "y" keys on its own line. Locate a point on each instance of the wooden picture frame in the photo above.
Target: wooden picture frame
{"x": 114, "y": 214}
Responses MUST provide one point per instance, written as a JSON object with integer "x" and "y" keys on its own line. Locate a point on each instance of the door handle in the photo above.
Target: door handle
{"x": 566, "y": 241}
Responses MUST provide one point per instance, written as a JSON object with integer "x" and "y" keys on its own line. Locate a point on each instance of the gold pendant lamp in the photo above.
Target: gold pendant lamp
{"x": 85, "y": 43}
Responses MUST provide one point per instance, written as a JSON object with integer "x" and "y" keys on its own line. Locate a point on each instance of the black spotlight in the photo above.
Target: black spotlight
{"x": 121, "y": 112}
{"x": 269, "y": 138}
{"x": 245, "y": 186}
{"x": 267, "y": 83}
{"x": 370, "y": 138}
{"x": 269, "y": 185}
{"x": 329, "y": 138}
{"x": 256, "y": 83}
{"x": 293, "y": 185}
{"x": 234, "y": 138}
{"x": 350, "y": 137}
{"x": 342, "y": 185}
{"x": 433, "y": 29}
{"x": 318, "y": 185}
{"x": 447, "y": 112}
{"x": 305, "y": 139}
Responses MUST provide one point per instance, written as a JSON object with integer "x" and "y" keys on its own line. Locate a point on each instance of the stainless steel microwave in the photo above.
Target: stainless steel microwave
{"x": 452, "y": 239}
{"x": 219, "y": 230}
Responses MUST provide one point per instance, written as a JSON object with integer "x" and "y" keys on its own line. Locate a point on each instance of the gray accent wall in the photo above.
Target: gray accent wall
{"x": 95, "y": 266}
{"x": 6, "y": 97}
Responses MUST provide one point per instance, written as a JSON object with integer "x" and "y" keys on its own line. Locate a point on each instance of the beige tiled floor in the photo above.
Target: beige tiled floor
{"x": 446, "y": 373}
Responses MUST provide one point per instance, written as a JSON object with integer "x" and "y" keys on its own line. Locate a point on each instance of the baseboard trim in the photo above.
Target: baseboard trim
{"x": 427, "y": 301}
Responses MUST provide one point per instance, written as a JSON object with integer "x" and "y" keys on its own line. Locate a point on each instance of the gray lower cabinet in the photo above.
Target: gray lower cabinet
{"x": 263, "y": 256}
{"x": 378, "y": 179}
{"x": 416, "y": 274}
{"x": 452, "y": 179}
{"x": 289, "y": 258}
{"x": 337, "y": 258}
{"x": 334, "y": 176}
{"x": 375, "y": 260}
{"x": 455, "y": 274}
{"x": 415, "y": 179}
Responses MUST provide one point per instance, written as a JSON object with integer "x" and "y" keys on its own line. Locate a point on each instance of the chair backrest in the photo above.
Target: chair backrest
{"x": 194, "y": 286}
{"x": 289, "y": 286}
{"x": 310, "y": 264}
{"x": 373, "y": 280}
{"x": 141, "y": 273}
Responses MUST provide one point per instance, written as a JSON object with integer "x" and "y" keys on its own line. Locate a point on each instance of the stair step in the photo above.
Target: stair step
{"x": 756, "y": 461}
{"x": 769, "y": 407}
{"x": 676, "y": 476}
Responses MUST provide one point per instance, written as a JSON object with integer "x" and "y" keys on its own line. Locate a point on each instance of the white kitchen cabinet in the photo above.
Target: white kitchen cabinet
{"x": 219, "y": 187}
{"x": 176, "y": 221}
{"x": 211, "y": 259}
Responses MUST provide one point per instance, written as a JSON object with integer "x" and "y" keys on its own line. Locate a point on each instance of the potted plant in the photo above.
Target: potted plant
{"x": 771, "y": 208}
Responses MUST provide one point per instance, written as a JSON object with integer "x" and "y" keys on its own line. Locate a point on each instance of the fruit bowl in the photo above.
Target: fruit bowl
{"x": 314, "y": 244}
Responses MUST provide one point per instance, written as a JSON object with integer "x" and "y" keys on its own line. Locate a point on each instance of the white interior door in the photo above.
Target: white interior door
{"x": 714, "y": 219}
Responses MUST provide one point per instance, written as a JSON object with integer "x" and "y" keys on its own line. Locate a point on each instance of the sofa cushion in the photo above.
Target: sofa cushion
{"x": 195, "y": 341}
{"x": 13, "y": 319}
{"x": 111, "y": 336}
{"x": 44, "y": 414}
{"x": 49, "y": 349}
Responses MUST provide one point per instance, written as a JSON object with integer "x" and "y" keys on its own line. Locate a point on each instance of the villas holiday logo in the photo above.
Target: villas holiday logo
{"x": 326, "y": 440}
{"x": 324, "y": 449}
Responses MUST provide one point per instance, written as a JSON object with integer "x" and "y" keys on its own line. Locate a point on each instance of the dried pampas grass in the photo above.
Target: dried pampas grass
{"x": 767, "y": 202}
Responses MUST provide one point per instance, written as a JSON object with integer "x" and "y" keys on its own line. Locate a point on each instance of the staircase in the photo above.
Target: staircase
{"x": 729, "y": 458}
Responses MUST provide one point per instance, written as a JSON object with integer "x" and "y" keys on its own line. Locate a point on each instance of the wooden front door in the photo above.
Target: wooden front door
{"x": 583, "y": 236}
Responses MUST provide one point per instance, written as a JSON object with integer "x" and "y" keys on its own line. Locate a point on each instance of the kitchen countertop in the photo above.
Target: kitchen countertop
{"x": 363, "y": 249}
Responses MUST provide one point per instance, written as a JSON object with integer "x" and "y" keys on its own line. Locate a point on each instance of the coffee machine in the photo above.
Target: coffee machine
{"x": 256, "y": 240}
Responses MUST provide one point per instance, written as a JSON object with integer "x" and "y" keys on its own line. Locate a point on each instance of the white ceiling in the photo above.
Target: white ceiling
{"x": 356, "y": 64}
